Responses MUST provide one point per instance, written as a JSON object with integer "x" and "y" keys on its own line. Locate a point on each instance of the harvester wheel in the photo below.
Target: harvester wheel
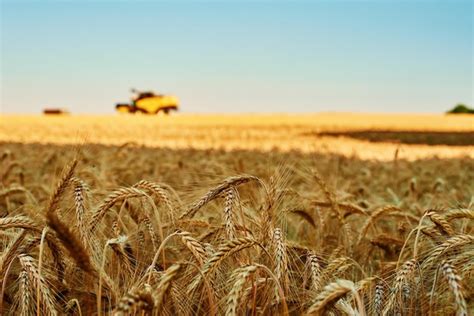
{"x": 167, "y": 110}
{"x": 124, "y": 108}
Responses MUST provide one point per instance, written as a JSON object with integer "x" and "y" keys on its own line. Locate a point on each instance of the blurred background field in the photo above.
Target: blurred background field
{"x": 364, "y": 136}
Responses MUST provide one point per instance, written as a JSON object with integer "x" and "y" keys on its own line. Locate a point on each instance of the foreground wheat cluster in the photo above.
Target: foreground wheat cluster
{"x": 135, "y": 231}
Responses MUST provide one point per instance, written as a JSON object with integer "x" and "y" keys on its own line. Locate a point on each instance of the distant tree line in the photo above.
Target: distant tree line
{"x": 461, "y": 109}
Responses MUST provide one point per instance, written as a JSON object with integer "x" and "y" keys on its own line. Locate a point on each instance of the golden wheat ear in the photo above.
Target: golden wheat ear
{"x": 68, "y": 238}
{"x": 239, "y": 277}
{"x": 216, "y": 191}
{"x": 331, "y": 293}
{"x": 454, "y": 282}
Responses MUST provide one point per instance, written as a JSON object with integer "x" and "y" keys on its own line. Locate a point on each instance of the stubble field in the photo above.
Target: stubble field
{"x": 256, "y": 215}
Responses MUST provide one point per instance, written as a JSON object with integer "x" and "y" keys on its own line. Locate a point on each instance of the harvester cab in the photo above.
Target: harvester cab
{"x": 149, "y": 103}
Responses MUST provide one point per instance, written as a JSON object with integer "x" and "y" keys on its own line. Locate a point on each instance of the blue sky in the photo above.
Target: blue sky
{"x": 238, "y": 56}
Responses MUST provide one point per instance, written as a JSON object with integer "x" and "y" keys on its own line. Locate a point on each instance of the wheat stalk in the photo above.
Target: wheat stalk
{"x": 10, "y": 253}
{"x": 70, "y": 241}
{"x": 454, "y": 281}
{"x": 225, "y": 250}
{"x": 315, "y": 272}
{"x": 134, "y": 300}
{"x": 25, "y": 293}
{"x": 401, "y": 284}
{"x": 228, "y": 212}
{"x": 216, "y": 191}
{"x": 19, "y": 221}
{"x": 29, "y": 265}
{"x": 194, "y": 246}
{"x": 374, "y": 216}
{"x": 80, "y": 189}
{"x": 379, "y": 298}
{"x": 347, "y": 207}
{"x": 453, "y": 242}
{"x": 280, "y": 253}
{"x": 116, "y": 196}
{"x": 239, "y": 276}
{"x": 164, "y": 285}
{"x": 441, "y": 223}
{"x": 459, "y": 213}
{"x": 159, "y": 190}
{"x": 331, "y": 293}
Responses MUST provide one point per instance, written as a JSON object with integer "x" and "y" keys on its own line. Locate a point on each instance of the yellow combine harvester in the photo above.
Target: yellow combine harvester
{"x": 149, "y": 103}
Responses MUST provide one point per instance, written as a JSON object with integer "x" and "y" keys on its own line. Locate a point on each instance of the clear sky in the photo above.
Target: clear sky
{"x": 238, "y": 56}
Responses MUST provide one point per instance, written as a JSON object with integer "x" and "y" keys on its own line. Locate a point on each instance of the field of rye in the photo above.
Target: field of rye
{"x": 181, "y": 216}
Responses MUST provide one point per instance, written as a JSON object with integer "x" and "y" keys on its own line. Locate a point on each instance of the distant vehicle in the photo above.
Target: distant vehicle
{"x": 55, "y": 111}
{"x": 149, "y": 103}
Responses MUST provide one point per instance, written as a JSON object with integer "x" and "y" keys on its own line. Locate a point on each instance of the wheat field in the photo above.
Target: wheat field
{"x": 302, "y": 133}
{"x": 248, "y": 215}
